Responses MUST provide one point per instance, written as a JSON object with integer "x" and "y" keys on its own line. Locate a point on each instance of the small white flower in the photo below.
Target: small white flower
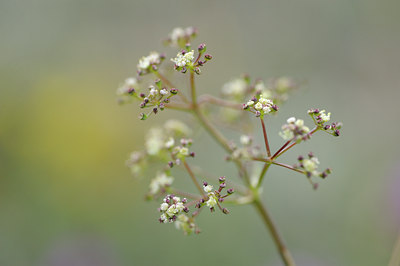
{"x": 325, "y": 117}
{"x": 160, "y": 181}
{"x": 208, "y": 188}
{"x": 164, "y": 206}
{"x": 310, "y": 165}
{"x": 236, "y": 87}
{"x": 176, "y": 34}
{"x": 291, "y": 120}
{"x": 177, "y": 127}
{"x": 182, "y": 60}
{"x": 245, "y": 140}
{"x": 170, "y": 143}
{"x": 176, "y": 199}
{"x": 267, "y": 109}
{"x": 250, "y": 103}
{"x": 258, "y": 106}
{"x": 163, "y": 92}
{"x": 146, "y": 61}
{"x": 211, "y": 202}
{"x": 154, "y": 141}
{"x": 184, "y": 151}
{"x": 153, "y": 92}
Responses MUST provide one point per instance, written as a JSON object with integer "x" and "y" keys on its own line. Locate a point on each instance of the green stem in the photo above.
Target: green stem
{"x": 395, "y": 258}
{"x": 263, "y": 172}
{"x": 279, "y": 243}
{"x": 197, "y": 184}
{"x": 283, "y": 251}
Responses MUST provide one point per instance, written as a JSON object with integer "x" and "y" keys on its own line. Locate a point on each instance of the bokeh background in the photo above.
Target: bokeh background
{"x": 66, "y": 197}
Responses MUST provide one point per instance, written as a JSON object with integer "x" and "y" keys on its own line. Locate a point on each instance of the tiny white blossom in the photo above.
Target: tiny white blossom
{"x": 164, "y": 206}
{"x": 211, "y": 202}
{"x": 325, "y": 117}
{"x": 153, "y": 92}
{"x": 184, "y": 151}
{"x": 310, "y": 165}
{"x": 146, "y": 61}
{"x": 291, "y": 120}
{"x": 245, "y": 140}
{"x": 182, "y": 60}
{"x": 177, "y": 127}
{"x": 236, "y": 87}
{"x": 170, "y": 143}
{"x": 267, "y": 109}
{"x": 163, "y": 92}
{"x": 160, "y": 181}
{"x": 258, "y": 106}
{"x": 154, "y": 141}
{"x": 208, "y": 188}
{"x": 176, "y": 34}
{"x": 250, "y": 103}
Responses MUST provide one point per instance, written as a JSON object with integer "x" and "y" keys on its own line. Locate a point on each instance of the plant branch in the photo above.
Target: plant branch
{"x": 279, "y": 243}
{"x": 395, "y": 258}
{"x": 279, "y": 164}
{"x": 280, "y": 149}
{"x": 294, "y": 143}
{"x": 198, "y": 186}
{"x": 283, "y": 251}
{"x": 169, "y": 84}
{"x": 220, "y": 102}
{"x": 265, "y": 137}
{"x": 263, "y": 172}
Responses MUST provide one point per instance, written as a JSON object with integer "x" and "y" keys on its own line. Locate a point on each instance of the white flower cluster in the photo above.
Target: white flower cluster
{"x": 176, "y": 127}
{"x": 145, "y": 62}
{"x": 171, "y": 208}
{"x": 261, "y": 89}
{"x": 154, "y": 141}
{"x": 294, "y": 129}
{"x": 184, "y": 223}
{"x": 136, "y": 163}
{"x": 235, "y": 88}
{"x": 179, "y": 36}
{"x": 160, "y": 181}
{"x": 212, "y": 198}
{"x": 319, "y": 117}
{"x": 128, "y": 87}
{"x": 260, "y": 106}
{"x": 311, "y": 165}
{"x": 183, "y": 59}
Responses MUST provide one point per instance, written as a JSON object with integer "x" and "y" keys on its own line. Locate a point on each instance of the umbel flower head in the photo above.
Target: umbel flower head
{"x": 180, "y": 37}
{"x": 295, "y": 130}
{"x": 148, "y": 63}
{"x": 320, "y": 118}
{"x": 260, "y": 106}
{"x": 310, "y": 167}
{"x": 214, "y": 197}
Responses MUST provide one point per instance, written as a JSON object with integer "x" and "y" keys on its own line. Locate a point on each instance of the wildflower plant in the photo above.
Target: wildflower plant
{"x": 170, "y": 147}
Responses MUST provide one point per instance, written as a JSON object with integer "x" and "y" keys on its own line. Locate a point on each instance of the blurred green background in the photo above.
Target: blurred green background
{"x": 66, "y": 197}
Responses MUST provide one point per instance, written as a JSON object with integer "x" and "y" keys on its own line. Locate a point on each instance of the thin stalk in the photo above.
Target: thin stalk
{"x": 283, "y": 251}
{"x": 280, "y": 149}
{"x": 278, "y": 240}
{"x": 265, "y": 137}
{"x": 169, "y": 84}
{"x": 294, "y": 143}
{"x": 279, "y": 164}
{"x": 220, "y": 102}
{"x": 197, "y": 184}
{"x": 395, "y": 258}
{"x": 263, "y": 172}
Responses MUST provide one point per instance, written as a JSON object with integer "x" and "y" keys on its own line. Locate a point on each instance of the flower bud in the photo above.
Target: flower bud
{"x": 142, "y": 116}
{"x": 225, "y": 211}
{"x": 230, "y": 191}
{"x": 222, "y": 179}
{"x": 202, "y": 47}
{"x": 208, "y": 57}
{"x": 173, "y": 91}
